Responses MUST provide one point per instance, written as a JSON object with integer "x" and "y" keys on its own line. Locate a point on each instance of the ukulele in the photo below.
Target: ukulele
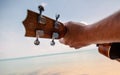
{"x": 40, "y": 26}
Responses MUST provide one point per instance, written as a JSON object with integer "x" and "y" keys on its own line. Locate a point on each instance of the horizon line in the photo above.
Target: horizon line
{"x": 44, "y": 55}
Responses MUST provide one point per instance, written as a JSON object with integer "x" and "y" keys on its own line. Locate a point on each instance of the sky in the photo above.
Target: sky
{"x": 13, "y": 43}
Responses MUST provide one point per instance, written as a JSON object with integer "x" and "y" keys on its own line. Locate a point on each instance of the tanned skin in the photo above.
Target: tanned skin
{"x": 106, "y": 30}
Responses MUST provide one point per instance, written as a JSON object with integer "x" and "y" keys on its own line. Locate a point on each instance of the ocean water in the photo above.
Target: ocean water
{"x": 68, "y": 63}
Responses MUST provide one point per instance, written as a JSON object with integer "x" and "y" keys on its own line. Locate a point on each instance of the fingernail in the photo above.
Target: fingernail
{"x": 61, "y": 40}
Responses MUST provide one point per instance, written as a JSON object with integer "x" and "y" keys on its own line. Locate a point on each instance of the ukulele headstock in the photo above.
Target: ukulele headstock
{"x": 40, "y": 26}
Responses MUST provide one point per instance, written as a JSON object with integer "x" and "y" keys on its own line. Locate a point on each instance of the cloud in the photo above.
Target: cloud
{"x": 43, "y": 4}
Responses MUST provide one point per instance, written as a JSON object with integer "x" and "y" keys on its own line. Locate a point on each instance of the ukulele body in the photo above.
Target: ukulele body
{"x": 111, "y": 50}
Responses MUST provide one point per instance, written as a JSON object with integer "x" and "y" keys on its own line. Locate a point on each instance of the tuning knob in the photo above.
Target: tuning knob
{"x": 37, "y": 42}
{"x": 57, "y": 16}
{"x": 55, "y": 35}
{"x": 41, "y": 9}
{"x": 52, "y": 43}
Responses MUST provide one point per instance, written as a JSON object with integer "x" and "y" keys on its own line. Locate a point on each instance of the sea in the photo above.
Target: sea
{"x": 88, "y": 62}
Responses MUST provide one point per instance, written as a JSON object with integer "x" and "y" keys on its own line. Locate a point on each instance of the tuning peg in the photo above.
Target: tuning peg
{"x": 39, "y": 33}
{"x": 55, "y": 35}
{"x": 56, "y": 24}
{"x": 41, "y": 19}
{"x": 37, "y": 42}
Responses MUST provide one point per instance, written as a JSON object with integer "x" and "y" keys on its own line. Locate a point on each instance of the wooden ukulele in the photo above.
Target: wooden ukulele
{"x": 40, "y": 26}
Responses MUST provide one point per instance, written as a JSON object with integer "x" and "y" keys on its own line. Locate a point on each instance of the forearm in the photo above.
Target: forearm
{"x": 106, "y": 30}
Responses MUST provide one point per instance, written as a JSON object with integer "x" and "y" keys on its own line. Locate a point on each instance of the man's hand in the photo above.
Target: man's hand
{"x": 76, "y": 36}
{"x": 103, "y": 31}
